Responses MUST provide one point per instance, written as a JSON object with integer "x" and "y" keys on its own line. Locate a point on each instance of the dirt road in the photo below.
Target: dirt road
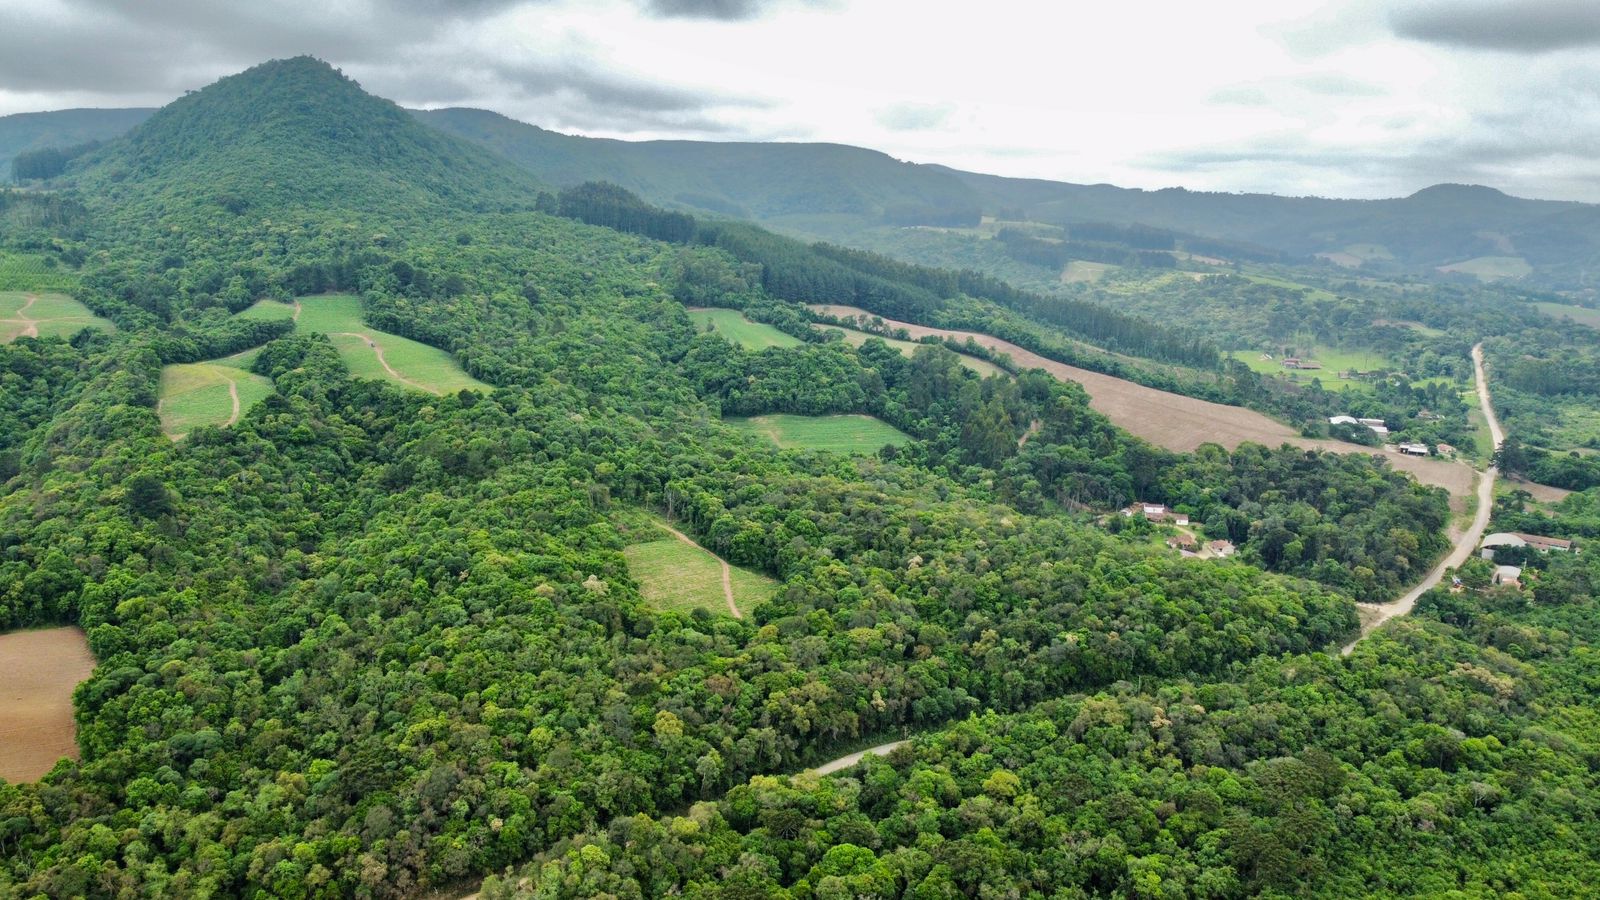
{"x": 1172, "y": 420}
{"x": 727, "y": 574}
{"x": 1379, "y": 613}
{"x": 850, "y": 759}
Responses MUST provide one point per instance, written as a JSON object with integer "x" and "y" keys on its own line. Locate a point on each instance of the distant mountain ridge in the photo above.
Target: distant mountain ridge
{"x": 788, "y": 184}
{"x": 62, "y": 128}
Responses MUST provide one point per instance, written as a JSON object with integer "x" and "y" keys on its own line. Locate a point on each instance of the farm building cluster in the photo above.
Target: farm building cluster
{"x": 1380, "y": 428}
{"x": 1505, "y": 574}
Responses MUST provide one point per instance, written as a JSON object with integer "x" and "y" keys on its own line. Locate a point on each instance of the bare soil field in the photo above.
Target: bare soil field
{"x": 38, "y": 670}
{"x": 1177, "y": 422}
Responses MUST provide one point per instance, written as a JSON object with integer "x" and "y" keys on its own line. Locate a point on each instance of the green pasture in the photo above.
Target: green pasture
{"x": 196, "y": 394}
{"x": 1583, "y": 315}
{"x": 366, "y": 350}
{"x": 1491, "y": 268}
{"x": 677, "y": 576}
{"x": 839, "y": 434}
{"x": 1080, "y": 270}
{"x": 731, "y": 324}
{"x": 48, "y": 315}
{"x": 1333, "y": 362}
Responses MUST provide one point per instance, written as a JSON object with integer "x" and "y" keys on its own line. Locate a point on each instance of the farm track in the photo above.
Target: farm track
{"x": 1175, "y": 421}
{"x": 377, "y": 351}
{"x": 22, "y": 313}
{"x": 1379, "y": 613}
{"x": 727, "y": 572}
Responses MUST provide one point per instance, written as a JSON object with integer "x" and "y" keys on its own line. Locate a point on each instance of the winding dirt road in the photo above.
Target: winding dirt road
{"x": 727, "y": 573}
{"x": 1380, "y": 613}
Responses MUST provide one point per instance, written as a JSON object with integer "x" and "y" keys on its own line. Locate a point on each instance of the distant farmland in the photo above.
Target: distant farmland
{"x": 1583, "y": 315}
{"x": 1177, "y": 422}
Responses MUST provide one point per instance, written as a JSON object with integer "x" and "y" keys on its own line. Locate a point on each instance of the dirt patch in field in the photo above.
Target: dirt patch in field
{"x": 1543, "y": 493}
{"x": 38, "y": 670}
{"x": 1177, "y": 422}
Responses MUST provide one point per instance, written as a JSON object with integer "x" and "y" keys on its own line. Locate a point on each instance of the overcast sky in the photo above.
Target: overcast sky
{"x": 1363, "y": 98}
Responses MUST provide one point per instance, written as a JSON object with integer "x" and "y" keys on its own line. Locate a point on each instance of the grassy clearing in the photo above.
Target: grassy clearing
{"x": 731, "y": 324}
{"x": 679, "y": 576}
{"x": 1583, "y": 315}
{"x": 1491, "y": 268}
{"x": 1333, "y": 362}
{"x": 856, "y": 338}
{"x": 1313, "y": 293}
{"x": 1082, "y": 271}
{"x": 370, "y": 353}
{"x": 268, "y": 309}
{"x": 838, "y": 434}
{"x": 208, "y": 393}
{"x": 26, "y": 314}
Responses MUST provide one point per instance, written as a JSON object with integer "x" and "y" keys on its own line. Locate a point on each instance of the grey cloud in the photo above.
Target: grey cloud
{"x": 915, "y": 116}
{"x": 412, "y": 51}
{"x": 1528, "y": 26}
{"x": 722, "y": 10}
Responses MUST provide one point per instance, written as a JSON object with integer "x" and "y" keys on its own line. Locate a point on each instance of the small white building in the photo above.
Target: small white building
{"x": 1373, "y": 423}
{"x": 1379, "y": 430}
{"x": 1156, "y": 512}
{"x": 1414, "y": 449}
{"x": 1510, "y": 576}
{"x": 1343, "y": 420}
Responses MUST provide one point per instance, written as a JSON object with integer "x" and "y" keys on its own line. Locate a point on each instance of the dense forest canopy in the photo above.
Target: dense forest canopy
{"x": 371, "y": 641}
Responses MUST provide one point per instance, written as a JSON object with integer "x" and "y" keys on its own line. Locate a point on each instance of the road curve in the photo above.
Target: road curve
{"x": 1464, "y": 544}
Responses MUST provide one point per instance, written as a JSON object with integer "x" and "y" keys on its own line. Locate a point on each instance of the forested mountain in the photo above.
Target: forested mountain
{"x": 293, "y": 134}
{"x": 372, "y": 639}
